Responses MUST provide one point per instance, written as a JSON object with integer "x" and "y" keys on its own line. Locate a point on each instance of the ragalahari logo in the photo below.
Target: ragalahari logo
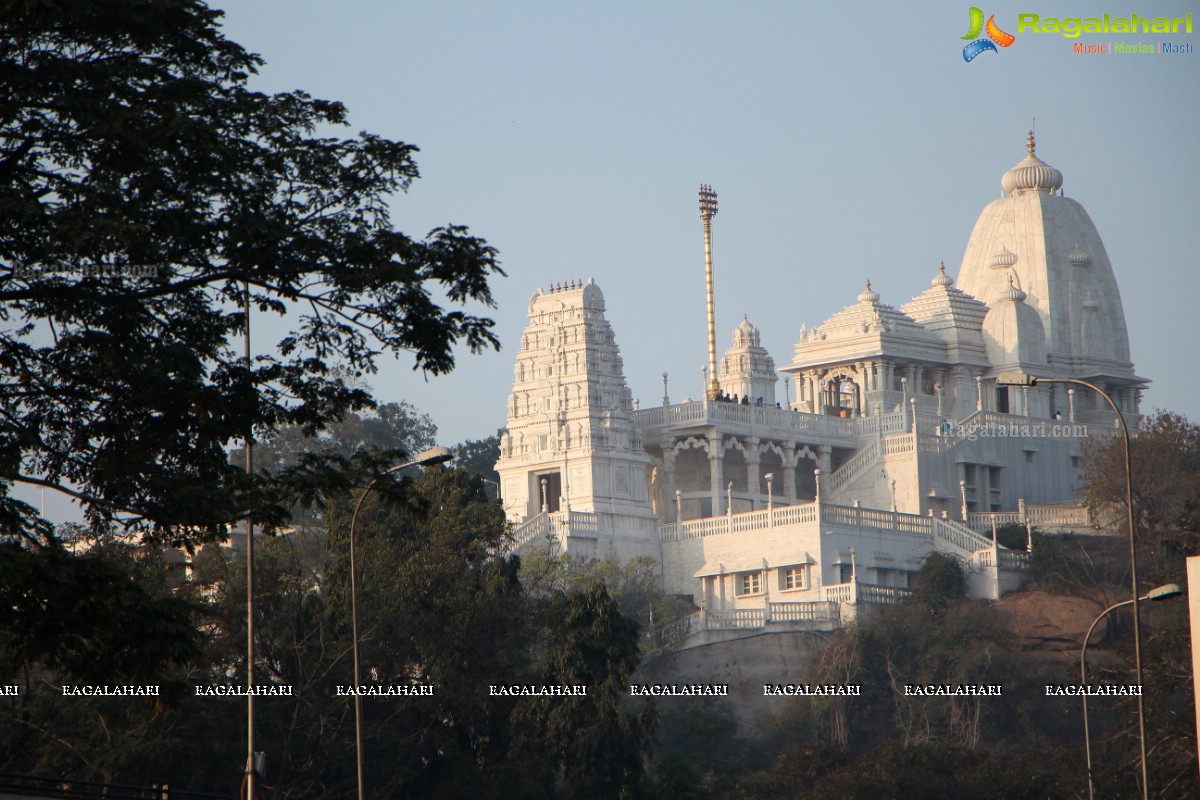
{"x": 994, "y": 35}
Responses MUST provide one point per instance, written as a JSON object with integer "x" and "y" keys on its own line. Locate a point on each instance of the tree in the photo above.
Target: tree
{"x": 437, "y": 606}
{"x": 940, "y": 581}
{"x": 595, "y": 749}
{"x": 146, "y": 195}
{"x": 479, "y": 456}
{"x": 1165, "y": 456}
{"x": 389, "y": 427}
{"x": 633, "y": 585}
{"x": 390, "y": 431}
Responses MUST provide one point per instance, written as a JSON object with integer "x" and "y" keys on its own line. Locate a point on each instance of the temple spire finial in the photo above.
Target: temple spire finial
{"x": 1029, "y": 145}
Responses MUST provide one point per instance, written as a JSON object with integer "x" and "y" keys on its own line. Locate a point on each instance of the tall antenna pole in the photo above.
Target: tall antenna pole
{"x": 708, "y": 210}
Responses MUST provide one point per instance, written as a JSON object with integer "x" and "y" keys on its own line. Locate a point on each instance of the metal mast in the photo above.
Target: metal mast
{"x": 708, "y": 210}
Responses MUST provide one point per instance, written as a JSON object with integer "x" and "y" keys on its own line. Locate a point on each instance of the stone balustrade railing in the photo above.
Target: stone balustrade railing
{"x": 853, "y": 516}
{"x": 959, "y": 536}
{"x": 858, "y": 592}
{"x": 838, "y": 592}
{"x": 882, "y": 595}
{"x": 743, "y": 618}
{"x": 1009, "y": 559}
{"x": 1053, "y": 516}
{"x": 737, "y": 523}
{"x": 895, "y": 445}
{"x": 555, "y": 525}
{"x": 862, "y": 460}
{"x": 776, "y": 419}
{"x": 736, "y": 618}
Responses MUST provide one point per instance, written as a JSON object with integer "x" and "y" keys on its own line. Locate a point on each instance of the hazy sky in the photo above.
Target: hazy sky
{"x": 846, "y": 141}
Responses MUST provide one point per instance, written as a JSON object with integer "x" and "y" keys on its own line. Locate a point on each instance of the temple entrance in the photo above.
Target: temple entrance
{"x": 841, "y": 396}
{"x": 547, "y": 492}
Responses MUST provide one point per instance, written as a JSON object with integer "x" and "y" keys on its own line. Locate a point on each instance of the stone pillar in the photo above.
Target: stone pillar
{"x": 983, "y": 489}
{"x": 824, "y": 458}
{"x": 862, "y": 388}
{"x": 1071, "y": 403}
{"x": 752, "y": 456}
{"x": 716, "y": 452}
{"x": 789, "y": 471}
{"x": 670, "y": 512}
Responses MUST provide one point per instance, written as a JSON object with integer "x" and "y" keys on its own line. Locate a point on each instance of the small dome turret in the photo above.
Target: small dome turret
{"x": 1002, "y": 259}
{"x": 942, "y": 279}
{"x": 745, "y": 334}
{"x": 1013, "y": 293}
{"x": 1031, "y": 174}
{"x": 868, "y": 295}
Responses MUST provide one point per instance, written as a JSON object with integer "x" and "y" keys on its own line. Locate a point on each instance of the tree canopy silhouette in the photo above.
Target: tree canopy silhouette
{"x": 143, "y": 187}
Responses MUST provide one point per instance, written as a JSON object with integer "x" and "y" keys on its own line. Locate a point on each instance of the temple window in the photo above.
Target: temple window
{"x": 750, "y": 583}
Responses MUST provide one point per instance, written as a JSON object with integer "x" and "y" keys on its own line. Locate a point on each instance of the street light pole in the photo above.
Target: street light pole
{"x": 251, "y": 778}
{"x": 1161, "y": 593}
{"x": 1021, "y": 379}
{"x": 435, "y": 455}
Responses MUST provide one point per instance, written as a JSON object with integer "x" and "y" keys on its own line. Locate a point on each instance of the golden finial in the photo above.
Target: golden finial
{"x": 1029, "y": 145}
{"x": 1010, "y": 280}
{"x": 942, "y": 267}
{"x": 868, "y": 284}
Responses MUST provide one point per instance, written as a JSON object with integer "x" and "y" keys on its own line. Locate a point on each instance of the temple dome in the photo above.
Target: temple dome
{"x": 952, "y": 315}
{"x": 942, "y": 279}
{"x": 1013, "y": 333}
{"x": 1032, "y": 174}
{"x": 1002, "y": 259}
{"x": 868, "y": 295}
{"x": 1050, "y": 244}
{"x": 746, "y": 334}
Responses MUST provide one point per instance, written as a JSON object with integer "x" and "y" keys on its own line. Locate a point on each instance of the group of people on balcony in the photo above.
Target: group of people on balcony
{"x": 725, "y": 398}
{"x": 722, "y": 397}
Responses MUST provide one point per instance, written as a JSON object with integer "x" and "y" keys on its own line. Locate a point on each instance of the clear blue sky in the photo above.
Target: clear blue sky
{"x": 846, "y": 141}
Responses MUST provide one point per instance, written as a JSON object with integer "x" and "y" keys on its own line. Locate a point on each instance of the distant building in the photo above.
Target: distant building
{"x": 891, "y": 437}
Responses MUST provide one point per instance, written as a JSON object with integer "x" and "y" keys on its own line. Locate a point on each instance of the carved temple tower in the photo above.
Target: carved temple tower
{"x": 571, "y": 444}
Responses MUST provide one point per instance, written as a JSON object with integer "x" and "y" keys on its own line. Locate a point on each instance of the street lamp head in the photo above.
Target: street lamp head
{"x": 1164, "y": 592}
{"x": 770, "y": 476}
{"x": 1015, "y": 379}
{"x": 434, "y": 455}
